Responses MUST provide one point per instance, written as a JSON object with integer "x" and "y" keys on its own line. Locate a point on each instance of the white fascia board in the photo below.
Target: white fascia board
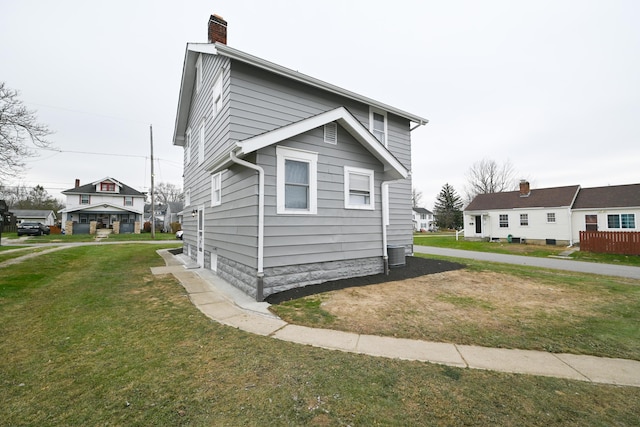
{"x": 94, "y": 207}
{"x": 106, "y": 178}
{"x": 232, "y": 53}
{"x": 345, "y": 119}
{"x": 187, "y": 84}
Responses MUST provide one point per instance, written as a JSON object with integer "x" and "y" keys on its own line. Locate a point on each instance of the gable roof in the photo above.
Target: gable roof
{"x": 340, "y": 115}
{"x": 538, "y": 198}
{"x": 187, "y": 83}
{"x": 32, "y": 213}
{"x": 125, "y": 190}
{"x": 422, "y": 211}
{"x": 615, "y": 196}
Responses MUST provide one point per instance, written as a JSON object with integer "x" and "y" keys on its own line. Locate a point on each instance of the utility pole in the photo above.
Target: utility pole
{"x": 153, "y": 210}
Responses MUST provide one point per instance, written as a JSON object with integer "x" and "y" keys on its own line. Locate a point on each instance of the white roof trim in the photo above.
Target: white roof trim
{"x": 345, "y": 119}
{"x": 92, "y": 206}
{"x": 107, "y": 179}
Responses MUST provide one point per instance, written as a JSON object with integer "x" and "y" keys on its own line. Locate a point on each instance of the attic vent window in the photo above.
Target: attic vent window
{"x": 331, "y": 133}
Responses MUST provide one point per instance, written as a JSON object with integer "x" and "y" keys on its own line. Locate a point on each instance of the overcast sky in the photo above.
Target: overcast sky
{"x": 551, "y": 86}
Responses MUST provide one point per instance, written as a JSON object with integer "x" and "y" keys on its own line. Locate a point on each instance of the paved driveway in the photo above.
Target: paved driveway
{"x": 553, "y": 263}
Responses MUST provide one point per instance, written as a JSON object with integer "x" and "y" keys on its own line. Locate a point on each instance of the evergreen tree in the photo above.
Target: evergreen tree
{"x": 448, "y": 208}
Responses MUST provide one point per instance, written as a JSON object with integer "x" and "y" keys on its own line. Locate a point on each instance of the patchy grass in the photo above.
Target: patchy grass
{"x": 488, "y": 304}
{"x": 19, "y": 251}
{"x": 92, "y": 338}
{"x": 449, "y": 241}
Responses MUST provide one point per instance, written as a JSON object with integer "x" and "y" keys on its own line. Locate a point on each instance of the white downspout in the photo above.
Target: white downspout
{"x": 232, "y": 156}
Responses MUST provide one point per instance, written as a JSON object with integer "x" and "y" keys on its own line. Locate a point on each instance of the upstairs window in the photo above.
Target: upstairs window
{"x": 378, "y": 125}
{"x": 504, "y": 221}
{"x": 296, "y": 181}
{"x": 201, "y": 144}
{"x": 107, "y": 186}
{"x": 217, "y": 95}
{"x": 85, "y": 199}
{"x": 187, "y": 146}
{"x": 358, "y": 188}
{"x": 199, "y": 73}
{"x": 128, "y": 201}
{"x": 187, "y": 197}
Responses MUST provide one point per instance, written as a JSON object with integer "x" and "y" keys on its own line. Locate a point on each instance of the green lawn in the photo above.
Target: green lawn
{"x": 448, "y": 240}
{"x": 63, "y": 238}
{"x": 90, "y": 337}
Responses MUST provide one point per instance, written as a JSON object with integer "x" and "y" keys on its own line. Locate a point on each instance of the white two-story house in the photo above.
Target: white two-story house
{"x": 106, "y": 203}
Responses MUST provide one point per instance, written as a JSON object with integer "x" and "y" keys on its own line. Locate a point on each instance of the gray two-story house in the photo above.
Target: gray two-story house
{"x": 289, "y": 181}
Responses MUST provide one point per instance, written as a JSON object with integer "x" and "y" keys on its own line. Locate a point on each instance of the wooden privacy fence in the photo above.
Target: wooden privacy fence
{"x": 611, "y": 242}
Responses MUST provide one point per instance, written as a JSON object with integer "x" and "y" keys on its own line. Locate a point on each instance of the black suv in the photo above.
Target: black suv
{"x": 32, "y": 229}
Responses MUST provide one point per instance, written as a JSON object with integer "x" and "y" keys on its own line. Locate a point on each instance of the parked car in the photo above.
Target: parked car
{"x": 32, "y": 229}
{"x": 179, "y": 234}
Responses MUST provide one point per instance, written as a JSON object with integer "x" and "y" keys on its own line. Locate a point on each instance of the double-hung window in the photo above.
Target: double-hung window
{"x": 524, "y": 220}
{"x": 296, "y": 177}
{"x": 378, "y": 125}
{"x": 187, "y": 197}
{"x": 128, "y": 201}
{"x": 187, "y": 146}
{"x": 551, "y": 217}
{"x": 216, "y": 189}
{"x": 85, "y": 199}
{"x": 358, "y": 188}
{"x": 217, "y": 95}
{"x": 504, "y": 221}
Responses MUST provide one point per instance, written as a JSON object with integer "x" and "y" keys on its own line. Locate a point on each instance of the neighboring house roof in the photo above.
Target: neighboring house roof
{"x": 188, "y": 82}
{"x": 422, "y": 211}
{"x": 340, "y": 115}
{"x": 125, "y": 190}
{"x": 103, "y": 206}
{"x": 537, "y": 198}
{"x": 32, "y": 213}
{"x": 615, "y": 196}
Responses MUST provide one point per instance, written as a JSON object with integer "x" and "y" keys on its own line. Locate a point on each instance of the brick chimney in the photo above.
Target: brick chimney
{"x": 77, "y": 183}
{"x": 217, "y": 29}
{"x": 525, "y": 190}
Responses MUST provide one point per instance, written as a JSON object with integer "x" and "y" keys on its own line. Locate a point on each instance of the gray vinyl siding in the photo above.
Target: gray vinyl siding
{"x": 334, "y": 233}
{"x": 261, "y": 102}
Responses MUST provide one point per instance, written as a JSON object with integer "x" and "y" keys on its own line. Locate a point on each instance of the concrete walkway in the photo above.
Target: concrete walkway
{"x": 556, "y": 263}
{"x": 227, "y": 305}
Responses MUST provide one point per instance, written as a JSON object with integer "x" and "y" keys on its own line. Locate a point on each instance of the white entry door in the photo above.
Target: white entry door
{"x": 200, "y": 236}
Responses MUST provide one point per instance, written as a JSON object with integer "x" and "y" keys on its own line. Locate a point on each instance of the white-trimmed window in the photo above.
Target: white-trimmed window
{"x": 199, "y": 73}
{"x": 201, "y": 144}
{"x": 358, "y": 188}
{"x": 128, "y": 200}
{"x": 217, "y": 94}
{"x": 187, "y": 146}
{"x": 504, "y": 221}
{"x": 551, "y": 217}
{"x": 216, "y": 189}
{"x": 524, "y": 220}
{"x": 297, "y": 182}
{"x": 621, "y": 221}
{"x": 187, "y": 197}
{"x": 85, "y": 199}
{"x": 378, "y": 124}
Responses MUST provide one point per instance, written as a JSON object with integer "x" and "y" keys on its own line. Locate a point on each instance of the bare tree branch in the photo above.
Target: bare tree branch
{"x": 487, "y": 176}
{"x": 18, "y": 127}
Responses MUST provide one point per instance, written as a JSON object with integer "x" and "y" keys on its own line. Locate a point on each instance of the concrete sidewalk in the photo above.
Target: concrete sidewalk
{"x": 227, "y": 305}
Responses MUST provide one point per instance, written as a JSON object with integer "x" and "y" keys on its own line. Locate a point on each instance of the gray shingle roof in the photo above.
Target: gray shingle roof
{"x": 614, "y": 196}
{"x": 538, "y": 198}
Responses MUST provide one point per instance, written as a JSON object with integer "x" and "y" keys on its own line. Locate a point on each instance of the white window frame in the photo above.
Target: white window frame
{"x": 199, "y": 73}
{"x": 187, "y": 197}
{"x": 524, "y": 220}
{"x": 201, "y": 144}
{"x": 187, "y": 146}
{"x": 216, "y": 189}
{"x": 283, "y": 154}
{"x": 216, "y": 95}
{"x": 386, "y": 127}
{"x": 348, "y": 171}
{"x": 503, "y": 221}
{"x": 551, "y": 217}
